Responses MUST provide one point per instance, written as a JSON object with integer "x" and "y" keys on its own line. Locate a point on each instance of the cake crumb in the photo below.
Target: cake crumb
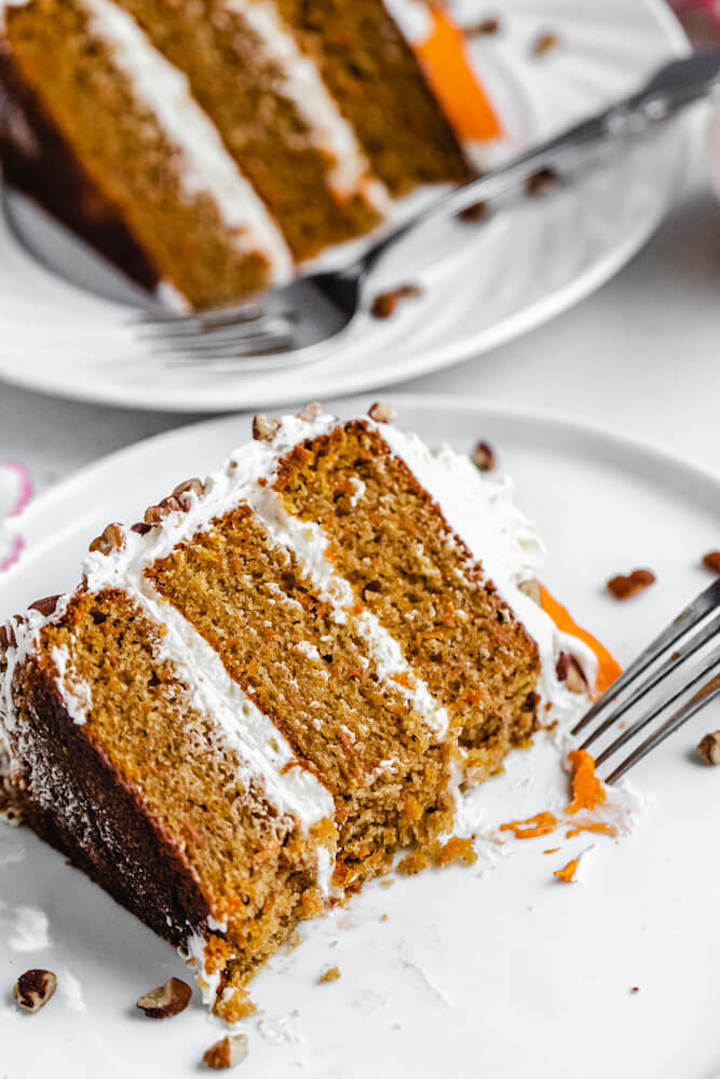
{"x": 227, "y": 1052}
{"x": 236, "y": 1006}
{"x": 331, "y": 974}
{"x": 709, "y": 748}
{"x": 711, "y": 561}
{"x": 383, "y": 917}
{"x": 413, "y": 863}
{"x": 622, "y": 587}
{"x": 387, "y": 882}
{"x": 455, "y": 850}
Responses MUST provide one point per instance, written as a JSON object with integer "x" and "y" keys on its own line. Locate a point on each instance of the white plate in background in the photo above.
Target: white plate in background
{"x": 501, "y": 975}
{"x": 505, "y": 276}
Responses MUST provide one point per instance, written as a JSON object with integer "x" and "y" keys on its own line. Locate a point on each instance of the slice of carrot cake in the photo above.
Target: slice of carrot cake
{"x": 281, "y": 677}
{"x": 217, "y": 145}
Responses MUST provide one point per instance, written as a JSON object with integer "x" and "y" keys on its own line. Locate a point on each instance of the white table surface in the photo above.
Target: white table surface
{"x": 640, "y": 357}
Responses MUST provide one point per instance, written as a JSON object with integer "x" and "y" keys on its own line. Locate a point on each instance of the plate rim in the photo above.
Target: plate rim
{"x": 647, "y": 449}
{"x": 423, "y": 361}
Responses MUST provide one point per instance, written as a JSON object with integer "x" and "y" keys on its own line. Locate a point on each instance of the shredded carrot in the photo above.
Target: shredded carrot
{"x": 592, "y": 826}
{"x": 588, "y": 791}
{"x": 567, "y": 873}
{"x": 608, "y": 668}
{"x": 540, "y": 824}
{"x": 551, "y": 850}
{"x": 443, "y": 55}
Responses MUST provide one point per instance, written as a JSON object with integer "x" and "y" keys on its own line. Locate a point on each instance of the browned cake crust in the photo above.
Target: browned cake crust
{"x": 40, "y": 163}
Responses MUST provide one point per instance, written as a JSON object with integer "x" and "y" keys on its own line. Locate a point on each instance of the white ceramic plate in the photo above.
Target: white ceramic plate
{"x": 504, "y": 276}
{"x": 494, "y": 972}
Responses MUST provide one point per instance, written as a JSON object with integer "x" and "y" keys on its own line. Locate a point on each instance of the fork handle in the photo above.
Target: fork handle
{"x": 673, "y": 87}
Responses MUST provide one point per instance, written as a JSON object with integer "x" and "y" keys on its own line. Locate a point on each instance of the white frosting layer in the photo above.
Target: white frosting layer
{"x": 302, "y": 84}
{"x": 413, "y": 17}
{"x": 76, "y": 694}
{"x": 204, "y": 165}
{"x": 261, "y": 748}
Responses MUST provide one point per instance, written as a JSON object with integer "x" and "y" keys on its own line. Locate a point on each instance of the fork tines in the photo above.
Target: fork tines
{"x": 660, "y": 667}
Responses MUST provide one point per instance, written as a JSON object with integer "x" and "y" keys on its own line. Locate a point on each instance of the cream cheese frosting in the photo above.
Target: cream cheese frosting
{"x": 205, "y": 166}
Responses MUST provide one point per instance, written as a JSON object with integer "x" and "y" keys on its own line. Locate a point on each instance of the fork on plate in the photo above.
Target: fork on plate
{"x": 653, "y": 692}
{"x": 278, "y": 329}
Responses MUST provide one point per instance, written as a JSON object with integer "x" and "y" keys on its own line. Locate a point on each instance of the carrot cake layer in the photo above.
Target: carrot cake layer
{"x": 279, "y": 679}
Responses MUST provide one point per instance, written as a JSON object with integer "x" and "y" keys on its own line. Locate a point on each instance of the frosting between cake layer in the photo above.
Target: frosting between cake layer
{"x": 302, "y": 84}
{"x": 205, "y": 166}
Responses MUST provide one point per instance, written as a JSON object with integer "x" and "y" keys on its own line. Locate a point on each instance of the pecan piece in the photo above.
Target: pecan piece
{"x": 34, "y": 988}
{"x": 623, "y": 587}
{"x": 545, "y": 43}
{"x": 155, "y": 515}
{"x": 541, "y": 182}
{"x": 310, "y": 412}
{"x": 141, "y": 528}
{"x": 485, "y": 26}
{"x": 228, "y": 1052}
{"x": 711, "y": 561}
{"x": 184, "y": 492}
{"x": 382, "y": 412}
{"x": 385, "y": 303}
{"x": 167, "y": 1000}
{"x": 709, "y": 748}
{"x": 531, "y": 588}
{"x": 478, "y": 211}
{"x": 483, "y": 457}
{"x": 569, "y": 671}
{"x": 264, "y": 428}
{"x": 112, "y": 539}
{"x": 46, "y": 605}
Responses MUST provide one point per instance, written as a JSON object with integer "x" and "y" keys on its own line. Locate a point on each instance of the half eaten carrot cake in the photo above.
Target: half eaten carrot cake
{"x": 279, "y": 679}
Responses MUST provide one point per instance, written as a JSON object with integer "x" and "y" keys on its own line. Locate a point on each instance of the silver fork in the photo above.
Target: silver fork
{"x": 315, "y": 308}
{"x": 696, "y": 629}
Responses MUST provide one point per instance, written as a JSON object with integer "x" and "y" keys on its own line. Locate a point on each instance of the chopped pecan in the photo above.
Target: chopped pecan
{"x": 112, "y": 539}
{"x": 711, "y": 561}
{"x": 34, "y": 988}
{"x": 623, "y": 587}
{"x": 382, "y": 412}
{"x": 531, "y": 588}
{"x": 167, "y": 1000}
{"x": 46, "y": 605}
{"x": 141, "y": 528}
{"x": 483, "y": 457}
{"x": 310, "y": 412}
{"x": 478, "y": 211}
{"x": 709, "y": 748}
{"x": 385, "y": 303}
{"x": 484, "y": 26}
{"x": 545, "y": 43}
{"x": 569, "y": 671}
{"x": 184, "y": 492}
{"x": 264, "y": 428}
{"x": 541, "y": 182}
{"x": 228, "y": 1052}
{"x": 154, "y": 515}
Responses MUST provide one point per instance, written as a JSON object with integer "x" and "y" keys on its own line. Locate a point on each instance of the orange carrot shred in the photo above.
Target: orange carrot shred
{"x": 608, "y": 668}
{"x": 588, "y": 791}
{"x": 540, "y": 824}
{"x": 592, "y": 826}
{"x": 551, "y": 850}
{"x": 567, "y": 873}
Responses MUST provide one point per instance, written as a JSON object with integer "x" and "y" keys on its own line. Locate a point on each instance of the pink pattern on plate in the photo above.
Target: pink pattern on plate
{"x": 16, "y": 490}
